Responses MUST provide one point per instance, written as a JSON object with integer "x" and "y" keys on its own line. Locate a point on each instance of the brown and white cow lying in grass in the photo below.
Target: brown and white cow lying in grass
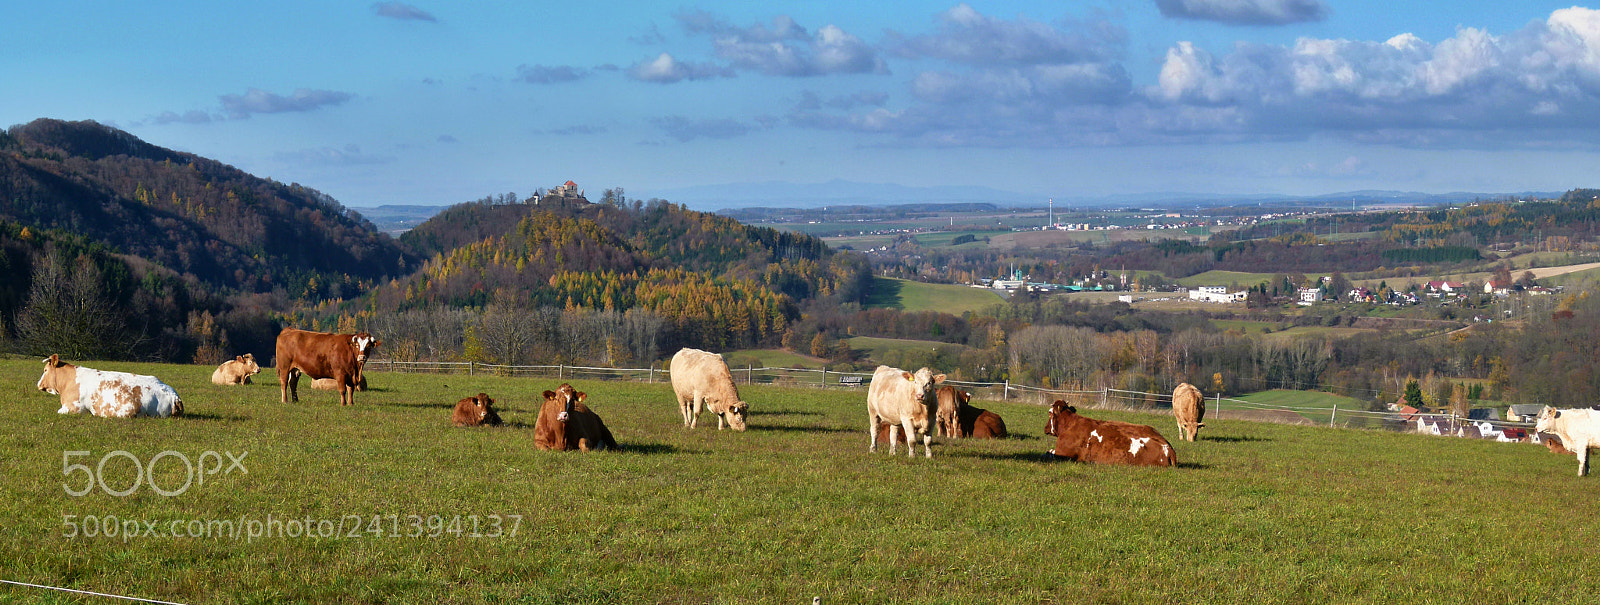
{"x": 1085, "y": 439}
{"x": 903, "y": 400}
{"x": 701, "y": 380}
{"x": 475, "y": 411}
{"x": 236, "y": 371}
{"x": 108, "y": 394}
{"x": 1578, "y": 429}
{"x": 1189, "y": 407}
{"x": 565, "y": 423}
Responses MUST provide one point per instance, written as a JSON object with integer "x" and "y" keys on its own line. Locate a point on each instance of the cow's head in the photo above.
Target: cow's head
{"x": 363, "y": 343}
{"x": 736, "y": 415}
{"x": 51, "y": 381}
{"x": 1058, "y": 412}
{"x": 566, "y": 397}
{"x": 1547, "y": 420}
{"x": 177, "y": 407}
{"x": 249, "y": 361}
{"x": 485, "y": 410}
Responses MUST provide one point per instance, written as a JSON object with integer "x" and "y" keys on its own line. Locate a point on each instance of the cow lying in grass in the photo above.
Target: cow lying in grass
{"x": 108, "y": 394}
{"x": 1578, "y": 429}
{"x": 1085, "y": 439}
{"x": 329, "y": 384}
{"x": 236, "y": 371}
{"x": 475, "y": 411}
{"x": 565, "y": 423}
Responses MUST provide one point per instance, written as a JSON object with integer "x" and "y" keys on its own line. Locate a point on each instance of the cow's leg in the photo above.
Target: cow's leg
{"x": 911, "y": 437}
{"x": 683, "y": 410}
{"x": 1180, "y": 429}
{"x": 1582, "y": 450}
{"x": 284, "y": 375}
{"x": 894, "y": 438}
{"x": 872, "y": 432}
{"x": 294, "y": 383}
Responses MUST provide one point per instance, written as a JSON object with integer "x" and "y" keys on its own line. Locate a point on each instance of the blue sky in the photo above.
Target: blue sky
{"x": 436, "y": 103}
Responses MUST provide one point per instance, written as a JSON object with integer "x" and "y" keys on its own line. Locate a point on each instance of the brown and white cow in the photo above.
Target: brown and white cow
{"x": 322, "y": 355}
{"x": 475, "y": 411}
{"x": 701, "y": 380}
{"x": 565, "y": 423}
{"x": 236, "y": 371}
{"x": 1189, "y": 407}
{"x": 107, "y": 394}
{"x": 903, "y": 400}
{"x": 1085, "y": 439}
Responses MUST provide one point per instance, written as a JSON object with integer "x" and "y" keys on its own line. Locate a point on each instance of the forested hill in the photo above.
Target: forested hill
{"x": 718, "y": 281}
{"x": 190, "y": 214}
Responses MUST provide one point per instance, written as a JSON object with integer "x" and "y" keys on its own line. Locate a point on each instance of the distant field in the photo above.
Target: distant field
{"x": 909, "y": 295}
{"x": 1225, "y": 278}
{"x": 875, "y": 348}
{"x": 770, "y": 358}
{"x": 792, "y": 508}
{"x": 1303, "y": 399}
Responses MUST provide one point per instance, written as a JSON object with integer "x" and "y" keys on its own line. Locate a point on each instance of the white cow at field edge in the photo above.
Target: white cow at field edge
{"x": 903, "y": 400}
{"x": 1579, "y": 430}
{"x": 701, "y": 380}
{"x": 108, "y": 394}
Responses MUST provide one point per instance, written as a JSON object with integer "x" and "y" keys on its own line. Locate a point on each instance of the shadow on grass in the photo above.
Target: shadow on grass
{"x": 647, "y": 448}
{"x": 1232, "y": 439}
{"x": 802, "y": 429}
{"x": 783, "y": 413}
{"x": 885, "y": 293}
{"x": 1036, "y": 457}
{"x": 204, "y": 417}
{"x": 1193, "y": 466}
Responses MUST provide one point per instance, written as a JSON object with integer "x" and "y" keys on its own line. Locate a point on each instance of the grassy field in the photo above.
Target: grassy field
{"x": 793, "y": 508}
{"x": 909, "y": 295}
{"x": 875, "y": 348}
{"x": 1304, "y": 399}
{"x": 1225, "y": 278}
{"x": 771, "y": 358}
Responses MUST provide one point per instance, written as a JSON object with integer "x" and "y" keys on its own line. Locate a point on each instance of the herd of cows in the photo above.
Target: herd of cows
{"x": 901, "y": 406}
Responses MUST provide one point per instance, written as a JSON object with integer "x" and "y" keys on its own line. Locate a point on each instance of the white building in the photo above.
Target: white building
{"x": 1217, "y": 294}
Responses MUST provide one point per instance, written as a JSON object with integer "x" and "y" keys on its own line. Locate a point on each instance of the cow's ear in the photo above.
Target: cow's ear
{"x": 549, "y": 394}
{"x": 239, "y": 359}
{"x": 582, "y": 396}
{"x": 938, "y": 378}
{"x": 908, "y": 375}
{"x": 53, "y": 361}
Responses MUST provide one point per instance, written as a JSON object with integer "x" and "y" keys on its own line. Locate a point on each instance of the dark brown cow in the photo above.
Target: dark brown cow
{"x": 966, "y": 421}
{"x": 1085, "y": 439}
{"x": 565, "y": 423}
{"x": 475, "y": 411}
{"x": 322, "y": 355}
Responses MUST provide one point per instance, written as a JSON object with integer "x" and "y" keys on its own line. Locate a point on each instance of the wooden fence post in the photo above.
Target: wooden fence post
{"x": 824, "y": 378}
{"x": 1335, "y": 414}
{"x": 652, "y": 372}
{"x": 561, "y": 371}
{"x": 749, "y": 373}
{"x": 469, "y": 367}
{"x": 1005, "y": 392}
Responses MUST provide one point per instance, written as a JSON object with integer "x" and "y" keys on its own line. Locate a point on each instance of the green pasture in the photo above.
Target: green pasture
{"x": 793, "y": 508}
{"x": 908, "y": 295}
{"x": 1303, "y": 399}
{"x": 1225, "y": 278}
{"x": 770, "y": 358}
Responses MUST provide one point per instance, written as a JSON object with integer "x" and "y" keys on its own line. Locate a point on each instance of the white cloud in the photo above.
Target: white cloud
{"x": 665, "y": 69}
{"x": 256, "y": 101}
{"x": 785, "y": 48}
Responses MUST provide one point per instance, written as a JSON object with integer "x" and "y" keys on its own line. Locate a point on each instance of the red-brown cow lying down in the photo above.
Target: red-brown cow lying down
{"x": 236, "y": 371}
{"x": 1085, "y": 439}
{"x": 1550, "y": 440}
{"x": 475, "y": 411}
{"x": 566, "y": 424}
{"x": 958, "y": 419}
{"x": 322, "y": 355}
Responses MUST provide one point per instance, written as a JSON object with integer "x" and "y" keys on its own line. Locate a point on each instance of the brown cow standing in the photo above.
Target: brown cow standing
{"x": 475, "y": 411}
{"x": 565, "y": 423}
{"x": 1189, "y": 407}
{"x": 1085, "y": 439}
{"x": 322, "y": 355}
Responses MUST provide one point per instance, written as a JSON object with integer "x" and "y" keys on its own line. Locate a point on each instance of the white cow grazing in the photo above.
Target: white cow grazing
{"x": 108, "y": 394}
{"x": 903, "y": 400}
{"x": 1579, "y": 430}
{"x": 701, "y": 380}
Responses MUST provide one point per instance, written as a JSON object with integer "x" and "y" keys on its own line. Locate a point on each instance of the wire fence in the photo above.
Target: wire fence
{"x": 1217, "y": 407}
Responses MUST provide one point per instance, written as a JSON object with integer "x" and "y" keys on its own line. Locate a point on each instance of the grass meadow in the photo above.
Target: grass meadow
{"x": 794, "y": 508}
{"x": 908, "y": 295}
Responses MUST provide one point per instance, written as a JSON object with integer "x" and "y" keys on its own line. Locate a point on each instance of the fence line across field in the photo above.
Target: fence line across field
{"x": 992, "y": 391}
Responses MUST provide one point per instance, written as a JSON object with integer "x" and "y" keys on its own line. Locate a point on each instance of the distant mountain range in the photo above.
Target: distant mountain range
{"x": 778, "y": 194}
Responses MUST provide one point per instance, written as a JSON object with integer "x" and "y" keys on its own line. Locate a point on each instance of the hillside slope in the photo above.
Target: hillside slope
{"x": 196, "y": 216}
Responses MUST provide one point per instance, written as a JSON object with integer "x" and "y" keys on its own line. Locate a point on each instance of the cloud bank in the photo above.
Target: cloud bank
{"x": 1245, "y": 12}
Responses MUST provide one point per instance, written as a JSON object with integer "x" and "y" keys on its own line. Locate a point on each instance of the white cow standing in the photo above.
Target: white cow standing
{"x": 1579, "y": 430}
{"x": 904, "y": 400}
{"x": 108, "y": 394}
{"x": 701, "y": 380}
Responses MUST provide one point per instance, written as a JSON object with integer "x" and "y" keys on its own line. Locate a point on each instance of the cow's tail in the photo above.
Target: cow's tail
{"x": 606, "y": 438}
